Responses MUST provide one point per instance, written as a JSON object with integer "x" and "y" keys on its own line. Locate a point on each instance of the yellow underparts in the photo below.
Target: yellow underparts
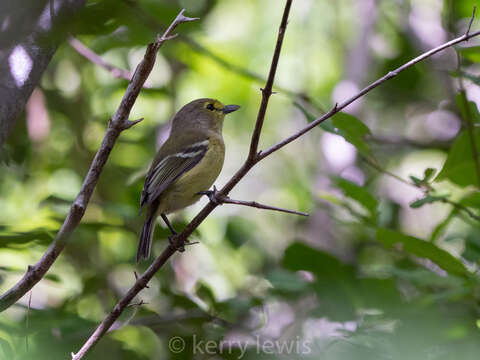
{"x": 201, "y": 177}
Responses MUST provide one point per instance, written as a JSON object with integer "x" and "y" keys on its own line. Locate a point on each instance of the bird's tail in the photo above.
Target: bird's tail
{"x": 145, "y": 242}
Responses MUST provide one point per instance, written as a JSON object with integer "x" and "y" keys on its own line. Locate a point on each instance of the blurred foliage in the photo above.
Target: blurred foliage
{"x": 386, "y": 266}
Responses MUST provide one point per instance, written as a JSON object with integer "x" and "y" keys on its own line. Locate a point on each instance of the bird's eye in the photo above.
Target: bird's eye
{"x": 210, "y": 107}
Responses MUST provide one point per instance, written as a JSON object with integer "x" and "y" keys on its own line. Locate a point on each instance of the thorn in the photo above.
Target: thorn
{"x": 129, "y": 123}
{"x": 136, "y": 279}
{"x": 174, "y": 245}
{"x": 77, "y": 206}
{"x": 140, "y": 303}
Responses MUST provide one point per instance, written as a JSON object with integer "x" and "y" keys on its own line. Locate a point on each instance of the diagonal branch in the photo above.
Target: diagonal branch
{"x": 339, "y": 107}
{"x": 267, "y": 90}
{"x": 92, "y": 56}
{"x": 178, "y": 241}
{"x": 118, "y": 123}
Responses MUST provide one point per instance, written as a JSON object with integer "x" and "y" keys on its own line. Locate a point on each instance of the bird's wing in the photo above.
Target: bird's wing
{"x": 169, "y": 167}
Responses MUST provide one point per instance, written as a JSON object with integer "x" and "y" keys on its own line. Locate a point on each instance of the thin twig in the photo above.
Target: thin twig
{"x": 179, "y": 240}
{"x": 406, "y": 182}
{"x": 118, "y": 123}
{"x": 141, "y": 73}
{"x": 227, "y": 200}
{"x": 92, "y": 56}
{"x": 338, "y": 107}
{"x": 471, "y": 20}
{"x": 267, "y": 90}
{"x": 462, "y": 208}
{"x": 150, "y": 21}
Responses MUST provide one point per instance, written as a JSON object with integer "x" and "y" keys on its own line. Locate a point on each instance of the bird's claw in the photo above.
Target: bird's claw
{"x": 212, "y": 195}
{"x": 179, "y": 247}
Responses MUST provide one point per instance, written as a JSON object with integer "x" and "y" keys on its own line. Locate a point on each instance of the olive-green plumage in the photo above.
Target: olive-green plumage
{"x": 186, "y": 164}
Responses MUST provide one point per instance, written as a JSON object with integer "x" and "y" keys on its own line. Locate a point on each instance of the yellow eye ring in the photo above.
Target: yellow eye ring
{"x": 210, "y": 107}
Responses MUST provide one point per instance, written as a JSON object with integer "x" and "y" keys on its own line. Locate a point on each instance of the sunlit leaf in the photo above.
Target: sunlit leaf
{"x": 353, "y": 130}
{"x": 344, "y": 125}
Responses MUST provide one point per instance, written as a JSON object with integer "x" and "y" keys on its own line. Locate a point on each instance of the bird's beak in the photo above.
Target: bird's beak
{"x": 230, "y": 108}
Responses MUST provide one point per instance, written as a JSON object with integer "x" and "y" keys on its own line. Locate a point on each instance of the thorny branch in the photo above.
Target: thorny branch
{"x": 179, "y": 241}
{"x": 118, "y": 123}
{"x": 254, "y": 156}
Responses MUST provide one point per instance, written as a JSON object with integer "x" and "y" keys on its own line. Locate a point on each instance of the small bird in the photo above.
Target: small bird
{"x": 187, "y": 164}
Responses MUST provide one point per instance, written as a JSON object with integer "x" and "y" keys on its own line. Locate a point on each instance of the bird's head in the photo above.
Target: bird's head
{"x": 204, "y": 113}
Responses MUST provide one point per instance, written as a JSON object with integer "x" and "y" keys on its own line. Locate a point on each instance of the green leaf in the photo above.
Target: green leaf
{"x": 206, "y": 294}
{"x": 418, "y": 182}
{"x": 472, "y": 248}
{"x": 468, "y": 109}
{"x": 286, "y": 282}
{"x": 459, "y": 166}
{"x": 359, "y": 194}
{"x": 41, "y": 236}
{"x": 428, "y": 174}
{"x": 353, "y": 130}
{"x": 471, "y": 53}
{"x": 471, "y": 200}
{"x": 430, "y": 198}
{"x": 344, "y": 125}
{"x": 326, "y": 125}
{"x": 422, "y": 249}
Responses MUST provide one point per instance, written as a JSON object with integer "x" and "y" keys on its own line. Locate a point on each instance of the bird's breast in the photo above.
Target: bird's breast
{"x": 200, "y": 178}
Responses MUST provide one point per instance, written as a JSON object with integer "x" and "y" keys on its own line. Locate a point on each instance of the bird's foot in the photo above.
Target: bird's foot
{"x": 180, "y": 247}
{"x": 213, "y": 195}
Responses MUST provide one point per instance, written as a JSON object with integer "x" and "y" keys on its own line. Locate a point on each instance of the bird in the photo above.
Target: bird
{"x": 185, "y": 166}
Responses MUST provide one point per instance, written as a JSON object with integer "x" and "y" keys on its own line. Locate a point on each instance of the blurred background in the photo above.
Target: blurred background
{"x": 385, "y": 266}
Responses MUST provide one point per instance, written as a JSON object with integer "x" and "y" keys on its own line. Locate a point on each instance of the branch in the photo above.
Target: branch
{"x": 257, "y": 205}
{"x": 118, "y": 123}
{"x": 338, "y": 107}
{"x": 150, "y": 21}
{"x": 92, "y": 56}
{"x": 462, "y": 208}
{"x": 178, "y": 241}
{"x": 218, "y": 199}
